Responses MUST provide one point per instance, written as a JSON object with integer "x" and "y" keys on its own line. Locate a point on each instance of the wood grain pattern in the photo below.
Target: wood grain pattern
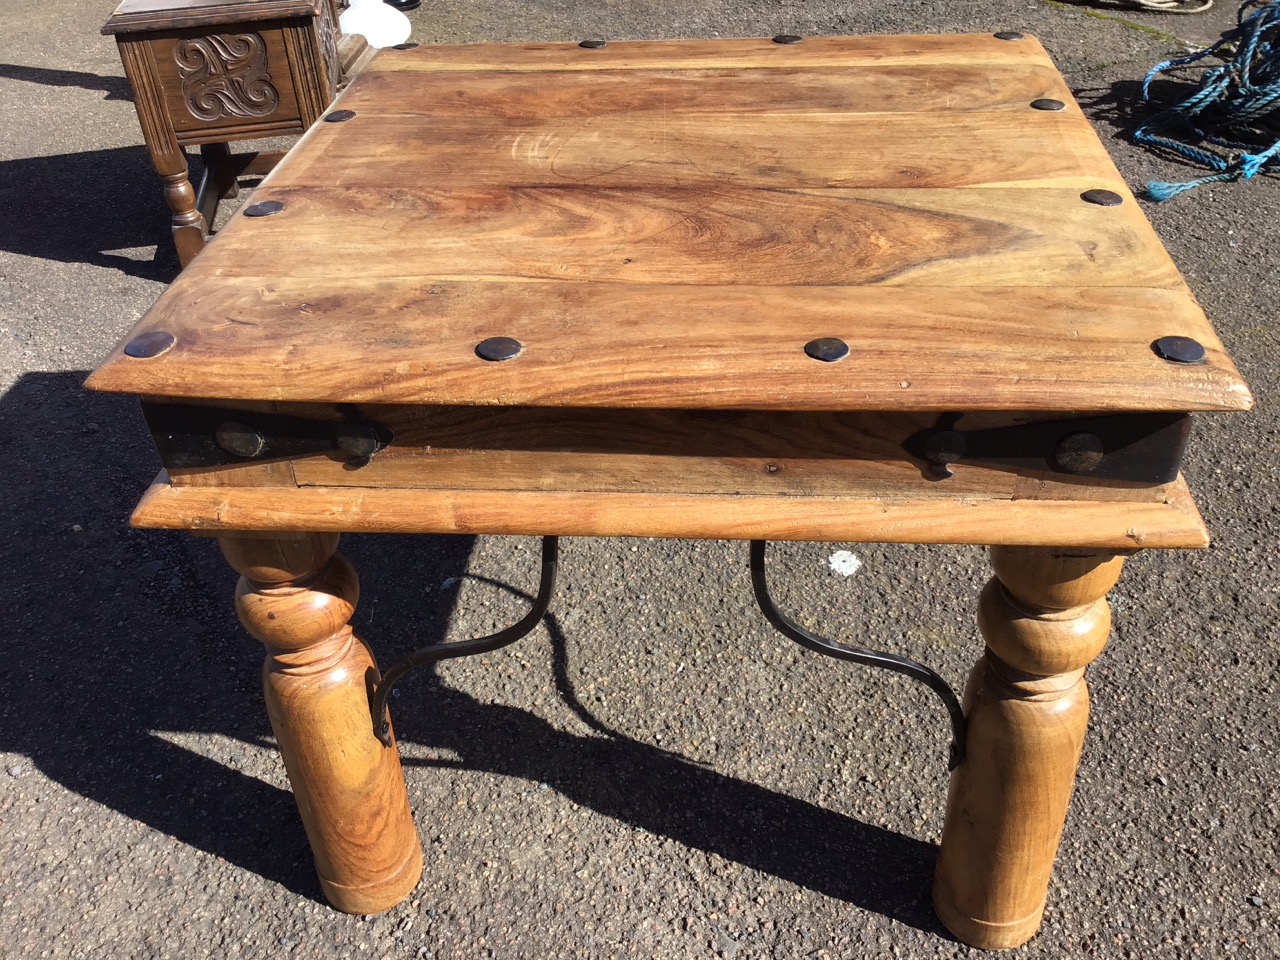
{"x": 924, "y": 517}
{"x": 968, "y": 49}
{"x": 675, "y": 240}
{"x": 727, "y": 348}
{"x": 997, "y": 148}
{"x": 1044, "y": 618}
{"x": 721, "y": 237}
{"x": 297, "y": 596}
{"x": 668, "y": 92}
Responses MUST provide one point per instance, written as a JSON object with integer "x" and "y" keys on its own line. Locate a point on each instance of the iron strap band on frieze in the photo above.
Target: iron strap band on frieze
{"x": 192, "y": 436}
{"x": 1139, "y": 448}
{"x": 1142, "y": 448}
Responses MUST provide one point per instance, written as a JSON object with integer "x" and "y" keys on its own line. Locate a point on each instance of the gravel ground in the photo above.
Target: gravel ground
{"x": 654, "y": 774}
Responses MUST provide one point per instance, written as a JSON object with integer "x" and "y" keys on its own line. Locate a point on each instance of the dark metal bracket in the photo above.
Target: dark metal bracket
{"x": 380, "y": 690}
{"x": 870, "y": 658}
{"x": 190, "y": 435}
{"x": 1144, "y": 448}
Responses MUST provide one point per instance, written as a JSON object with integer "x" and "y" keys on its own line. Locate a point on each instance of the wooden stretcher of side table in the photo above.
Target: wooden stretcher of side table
{"x": 863, "y": 288}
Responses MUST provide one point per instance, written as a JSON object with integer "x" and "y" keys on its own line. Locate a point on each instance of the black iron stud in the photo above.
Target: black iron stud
{"x": 1103, "y": 198}
{"x": 1178, "y": 350}
{"x": 1010, "y": 35}
{"x": 339, "y": 116}
{"x": 788, "y": 38}
{"x": 1078, "y": 452}
{"x": 827, "y": 349}
{"x": 148, "y": 345}
{"x": 265, "y": 208}
{"x": 1047, "y": 103}
{"x": 498, "y": 348}
{"x": 405, "y": 46}
{"x": 593, "y": 44}
{"x": 239, "y": 439}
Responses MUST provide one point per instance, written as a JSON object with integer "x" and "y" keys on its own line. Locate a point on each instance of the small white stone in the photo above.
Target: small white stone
{"x": 844, "y": 562}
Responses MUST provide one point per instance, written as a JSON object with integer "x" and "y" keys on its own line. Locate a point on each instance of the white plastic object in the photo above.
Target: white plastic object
{"x": 381, "y": 25}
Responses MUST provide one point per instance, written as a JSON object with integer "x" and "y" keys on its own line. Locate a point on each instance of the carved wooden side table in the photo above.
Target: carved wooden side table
{"x": 207, "y": 72}
{"x": 867, "y": 289}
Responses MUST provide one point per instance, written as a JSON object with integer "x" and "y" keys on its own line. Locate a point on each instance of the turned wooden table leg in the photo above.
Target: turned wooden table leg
{"x": 1044, "y": 617}
{"x": 296, "y": 596}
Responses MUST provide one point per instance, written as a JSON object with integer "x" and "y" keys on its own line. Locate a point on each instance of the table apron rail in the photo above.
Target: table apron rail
{"x": 678, "y": 451}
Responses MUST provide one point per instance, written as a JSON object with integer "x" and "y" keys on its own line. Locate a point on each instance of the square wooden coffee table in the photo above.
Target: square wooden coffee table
{"x": 853, "y": 289}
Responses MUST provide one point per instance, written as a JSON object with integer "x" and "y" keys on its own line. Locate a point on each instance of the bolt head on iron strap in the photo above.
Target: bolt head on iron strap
{"x": 239, "y": 439}
{"x": 945, "y": 447}
{"x": 1078, "y": 453}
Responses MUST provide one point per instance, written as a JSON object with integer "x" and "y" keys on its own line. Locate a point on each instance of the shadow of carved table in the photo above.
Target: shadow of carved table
{"x": 208, "y": 72}
{"x": 840, "y": 289}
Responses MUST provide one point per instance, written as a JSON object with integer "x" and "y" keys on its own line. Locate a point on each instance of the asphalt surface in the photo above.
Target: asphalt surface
{"x": 654, "y": 774}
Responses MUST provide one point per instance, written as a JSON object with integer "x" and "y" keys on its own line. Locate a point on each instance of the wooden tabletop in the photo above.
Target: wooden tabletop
{"x": 668, "y": 224}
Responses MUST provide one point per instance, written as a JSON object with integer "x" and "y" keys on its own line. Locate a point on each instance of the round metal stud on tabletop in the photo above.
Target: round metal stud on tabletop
{"x": 1179, "y": 349}
{"x": 1010, "y": 35}
{"x": 593, "y": 44}
{"x": 788, "y": 38}
{"x": 1103, "y": 198}
{"x": 239, "y": 439}
{"x": 1078, "y": 452}
{"x": 1047, "y": 103}
{"x": 148, "y": 345}
{"x": 339, "y": 116}
{"x": 264, "y": 208}
{"x": 410, "y": 45}
{"x": 827, "y": 349}
{"x": 498, "y": 348}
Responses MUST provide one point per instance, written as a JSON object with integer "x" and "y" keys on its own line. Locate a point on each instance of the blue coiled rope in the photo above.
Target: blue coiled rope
{"x": 1230, "y": 108}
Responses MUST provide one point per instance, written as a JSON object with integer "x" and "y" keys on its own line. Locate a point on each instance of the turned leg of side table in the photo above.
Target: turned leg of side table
{"x": 1044, "y": 617}
{"x": 167, "y": 157}
{"x": 296, "y": 596}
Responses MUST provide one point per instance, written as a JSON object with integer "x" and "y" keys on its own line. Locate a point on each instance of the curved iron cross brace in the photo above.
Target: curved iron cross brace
{"x": 380, "y": 690}
{"x": 870, "y": 658}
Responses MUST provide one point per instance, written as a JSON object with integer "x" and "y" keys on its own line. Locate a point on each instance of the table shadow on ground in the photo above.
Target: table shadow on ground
{"x": 119, "y": 638}
{"x": 115, "y": 88}
{"x": 117, "y": 634}
{"x": 91, "y": 208}
{"x": 666, "y": 794}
